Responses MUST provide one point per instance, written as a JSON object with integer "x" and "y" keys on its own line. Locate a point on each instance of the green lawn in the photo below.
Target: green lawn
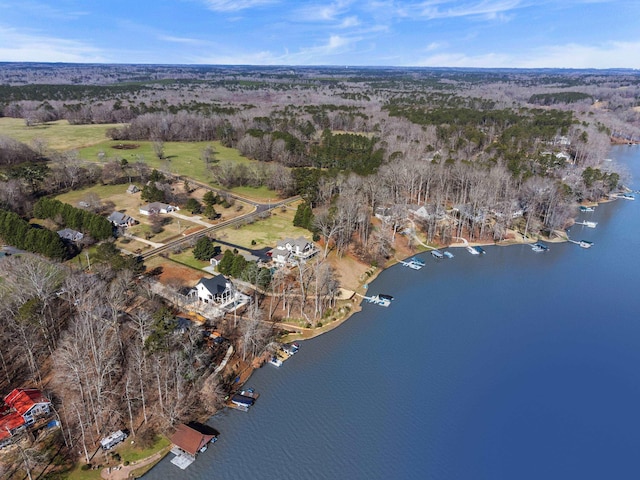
{"x": 127, "y": 451}
{"x": 57, "y": 135}
{"x": 261, "y": 194}
{"x": 265, "y": 233}
{"x": 181, "y": 158}
{"x": 187, "y": 258}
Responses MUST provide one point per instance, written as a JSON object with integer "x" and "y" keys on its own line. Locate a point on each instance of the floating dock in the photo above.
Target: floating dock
{"x": 413, "y": 263}
{"x": 588, "y": 224}
{"x": 539, "y": 247}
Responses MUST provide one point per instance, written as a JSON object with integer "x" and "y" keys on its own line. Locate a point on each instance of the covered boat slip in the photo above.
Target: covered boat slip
{"x": 188, "y": 440}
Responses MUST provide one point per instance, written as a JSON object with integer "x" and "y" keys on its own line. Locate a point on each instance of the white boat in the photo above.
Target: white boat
{"x": 382, "y": 300}
{"x": 539, "y": 247}
{"x": 472, "y": 250}
{"x": 275, "y": 361}
{"x": 414, "y": 263}
{"x": 628, "y": 196}
{"x": 585, "y": 244}
{"x": 437, "y": 254}
{"x": 448, "y": 254}
{"x": 590, "y": 224}
{"x": 587, "y": 209}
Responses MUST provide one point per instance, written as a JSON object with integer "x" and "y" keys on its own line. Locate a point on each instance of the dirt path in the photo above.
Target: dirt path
{"x": 122, "y": 472}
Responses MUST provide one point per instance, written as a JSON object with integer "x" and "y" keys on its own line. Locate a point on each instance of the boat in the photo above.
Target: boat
{"x": 587, "y": 209}
{"x": 437, "y": 254}
{"x": 244, "y": 399}
{"x": 628, "y": 196}
{"x": 275, "y": 361}
{"x": 480, "y": 250}
{"x": 414, "y": 263}
{"x": 381, "y": 300}
{"x": 448, "y": 254}
{"x": 472, "y": 250}
{"x": 585, "y": 243}
{"x": 291, "y": 349}
{"x": 588, "y": 224}
{"x": 539, "y": 247}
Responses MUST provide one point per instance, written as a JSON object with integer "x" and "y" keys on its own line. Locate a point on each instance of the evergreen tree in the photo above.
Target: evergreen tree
{"x": 226, "y": 263}
{"x": 210, "y": 212}
{"x": 193, "y": 205}
{"x": 210, "y": 198}
{"x": 238, "y": 266}
{"x": 151, "y": 193}
{"x": 204, "y": 249}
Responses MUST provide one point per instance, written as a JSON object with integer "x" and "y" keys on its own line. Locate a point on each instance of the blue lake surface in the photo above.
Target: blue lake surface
{"x": 510, "y": 365}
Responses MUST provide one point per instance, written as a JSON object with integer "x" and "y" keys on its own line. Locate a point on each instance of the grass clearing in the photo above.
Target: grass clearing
{"x": 181, "y": 158}
{"x": 58, "y": 135}
{"x": 260, "y": 194}
{"x": 265, "y": 233}
{"x": 186, "y": 258}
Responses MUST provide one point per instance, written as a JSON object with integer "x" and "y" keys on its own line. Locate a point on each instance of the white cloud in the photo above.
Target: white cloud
{"x": 316, "y": 55}
{"x": 487, "y": 9}
{"x": 608, "y": 55}
{"x": 22, "y": 47}
{"x": 323, "y": 12}
{"x": 236, "y": 5}
{"x": 350, "y": 22}
{"x": 182, "y": 40}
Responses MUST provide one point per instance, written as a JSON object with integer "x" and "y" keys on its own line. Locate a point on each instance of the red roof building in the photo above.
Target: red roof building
{"x": 189, "y": 440}
{"x": 21, "y": 408}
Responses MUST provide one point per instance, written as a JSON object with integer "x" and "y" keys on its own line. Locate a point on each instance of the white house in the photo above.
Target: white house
{"x": 217, "y": 290}
{"x": 293, "y": 251}
{"x": 156, "y": 208}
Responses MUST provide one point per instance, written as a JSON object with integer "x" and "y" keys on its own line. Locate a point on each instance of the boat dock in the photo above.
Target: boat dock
{"x": 243, "y": 400}
{"x": 413, "y": 263}
{"x": 588, "y": 224}
{"x": 380, "y": 299}
{"x": 582, "y": 243}
{"x": 539, "y": 247}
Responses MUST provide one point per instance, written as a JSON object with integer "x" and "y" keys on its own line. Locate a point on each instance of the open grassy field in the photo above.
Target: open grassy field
{"x": 181, "y": 158}
{"x": 266, "y": 232}
{"x": 59, "y": 136}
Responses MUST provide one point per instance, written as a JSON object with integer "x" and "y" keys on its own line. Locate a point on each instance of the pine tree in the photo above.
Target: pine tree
{"x": 204, "y": 249}
{"x": 226, "y": 263}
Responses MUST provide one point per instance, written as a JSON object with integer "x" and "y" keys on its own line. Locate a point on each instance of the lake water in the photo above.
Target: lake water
{"x": 510, "y": 365}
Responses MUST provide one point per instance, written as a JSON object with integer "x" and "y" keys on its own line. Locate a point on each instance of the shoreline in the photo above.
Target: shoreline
{"x": 561, "y": 236}
{"x": 356, "y": 300}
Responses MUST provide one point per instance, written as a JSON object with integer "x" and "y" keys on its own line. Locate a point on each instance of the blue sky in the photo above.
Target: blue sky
{"x": 439, "y": 33}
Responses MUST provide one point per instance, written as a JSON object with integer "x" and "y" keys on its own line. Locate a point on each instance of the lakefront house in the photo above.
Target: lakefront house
{"x": 22, "y": 407}
{"x": 293, "y": 251}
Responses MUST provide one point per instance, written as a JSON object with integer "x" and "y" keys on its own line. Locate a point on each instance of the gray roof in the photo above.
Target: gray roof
{"x": 69, "y": 234}
{"x": 215, "y": 285}
{"x": 119, "y": 217}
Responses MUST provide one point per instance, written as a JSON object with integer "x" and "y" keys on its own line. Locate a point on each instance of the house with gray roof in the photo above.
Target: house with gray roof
{"x": 156, "y": 208}
{"x": 293, "y": 251}
{"x": 120, "y": 219}
{"x": 70, "y": 235}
